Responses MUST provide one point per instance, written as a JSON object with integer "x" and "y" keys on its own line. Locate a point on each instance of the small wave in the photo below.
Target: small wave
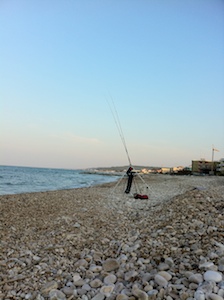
{"x": 21, "y": 180}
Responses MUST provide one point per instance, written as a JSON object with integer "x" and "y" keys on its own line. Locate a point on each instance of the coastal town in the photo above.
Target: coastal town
{"x": 197, "y": 167}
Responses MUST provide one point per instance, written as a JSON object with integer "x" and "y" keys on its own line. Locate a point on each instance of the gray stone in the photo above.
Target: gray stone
{"x": 98, "y": 296}
{"x": 96, "y": 283}
{"x": 199, "y": 295}
{"x": 81, "y": 291}
{"x": 68, "y": 290}
{"x": 221, "y": 265}
{"x": 110, "y": 265}
{"x": 196, "y": 278}
{"x": 213, "y": 296}
{"x": 165, "y": 274}
{"x": 213, "y": 276}
{"x": 81, "y": 262}
{"x": 206, "y": 286}
{"x": 141, "y": 295}
{"x": 107, "y": 290}
{"x": 56, "y": 295}
{"x": 152, "y": 294}
{"x": 160, "y": 280}
{"x": 130, "y": 275}
{"x": 76, "y": 277}
{"x": 86, "y": 287}
{"x": 79, "y": 282}
{"x": 48, "y": 287}
{"x": 163, "y": 267}
{"x": 122, "y": 297}
{"x": 110, "y": 279}
{"x": 95, "y": 268}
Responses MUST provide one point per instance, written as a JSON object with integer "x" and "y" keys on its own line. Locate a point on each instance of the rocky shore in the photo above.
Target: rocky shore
{"x": 99, "y": 243}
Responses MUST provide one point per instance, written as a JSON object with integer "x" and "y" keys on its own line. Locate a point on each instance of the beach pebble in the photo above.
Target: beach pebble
{"x": 169, "y": 261}
{"x": 213, "y": 296}
{"x": 221, "y": 292}
{"x": 86, "y": 287}
{"x": 36, "y": 258}
{"x": 141, "y": 295}
{"x": 27, "y": 296}
{"x": 213, "y": 276}
{"x": 68, "y": 290}
{"x": 221, "y": 265}
{"x": 165, "y": 274}
{"x": 52, "y": 285}
{"x": 79, "y": 282}
{"x": 119, "y": 286}
{"x": 97, "y": 256}
{"x": 206, "y": 287}
{"x": 90, "y": 274}
{"x": 130, "y": 275}
{"x": 123, "y": 258}
{"x": 122, "y": 297}
{"x": 81, "y": 291}
{"x": 95, "y": 268}
{"x": 199, "y": 295}
{"x": 110, "y": 265}
{"x": 146, "y": 277}
{"x": 39, "y": 297}
{"x": 56, "y": 295}
{"x": 76, "y": 277}
{"x": 98, "y": 296}
{"x": 81, "y": 263}
{"x": 152, "y": 294}
{"x": 160, "y": 280}
{"x": 196, "y": 278}
{"x": 163, "y": 266}
{"x": 155, "y": 251}
{"x": 96, "y": 283}
{"x": 107, "y": 290}
{"x": 207, "y": 265}
{"x": 110, "y": 279}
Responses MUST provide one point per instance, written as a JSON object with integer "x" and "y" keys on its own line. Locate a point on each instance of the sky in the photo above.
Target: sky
{"x": 160, "y": 63}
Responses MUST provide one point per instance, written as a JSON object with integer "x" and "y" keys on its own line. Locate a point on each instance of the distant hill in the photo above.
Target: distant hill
{"x": 122, "y": 168}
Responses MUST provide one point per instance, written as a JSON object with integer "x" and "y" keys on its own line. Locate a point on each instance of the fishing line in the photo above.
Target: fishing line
{"x": 130, "y": 171}
{"x": 118, "y": 125}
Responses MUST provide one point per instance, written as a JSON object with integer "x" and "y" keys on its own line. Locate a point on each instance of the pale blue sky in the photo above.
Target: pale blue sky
{"x": 161, "y": 61}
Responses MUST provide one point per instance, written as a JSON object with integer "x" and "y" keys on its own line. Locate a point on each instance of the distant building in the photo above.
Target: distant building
{"x": 146, "y": 171}
{"x": 203, "y": 166}
{"x": 165, "y": 170}
{"x": 176, "y": 169}
{"x": 220, "y": 167}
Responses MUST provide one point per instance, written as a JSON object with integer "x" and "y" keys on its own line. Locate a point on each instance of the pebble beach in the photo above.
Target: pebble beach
{"x": 100, "y": 243}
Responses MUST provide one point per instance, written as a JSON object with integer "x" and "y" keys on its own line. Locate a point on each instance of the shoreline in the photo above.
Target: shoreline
{"x": 60, "y": 242}
{"x": 8, "y": 188}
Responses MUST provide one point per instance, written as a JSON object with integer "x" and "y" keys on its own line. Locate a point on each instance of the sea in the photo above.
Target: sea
{"x": 17, "y": 180}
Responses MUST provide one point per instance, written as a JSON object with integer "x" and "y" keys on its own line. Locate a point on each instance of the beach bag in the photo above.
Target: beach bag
{"x": 139, "y": 196}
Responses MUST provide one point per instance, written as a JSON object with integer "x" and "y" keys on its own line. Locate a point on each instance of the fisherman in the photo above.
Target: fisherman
{"x": 130, "y": 174}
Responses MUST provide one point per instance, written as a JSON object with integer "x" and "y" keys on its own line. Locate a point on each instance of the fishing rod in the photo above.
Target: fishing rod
{"x": 118, "y": 125}
{"x": 130, "y": 172}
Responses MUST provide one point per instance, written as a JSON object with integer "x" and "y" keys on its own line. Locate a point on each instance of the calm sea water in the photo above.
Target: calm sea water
{"x": 16, "y": 180}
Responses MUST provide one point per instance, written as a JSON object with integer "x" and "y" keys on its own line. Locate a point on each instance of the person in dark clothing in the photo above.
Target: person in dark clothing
{"x": 130, "y": 178}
